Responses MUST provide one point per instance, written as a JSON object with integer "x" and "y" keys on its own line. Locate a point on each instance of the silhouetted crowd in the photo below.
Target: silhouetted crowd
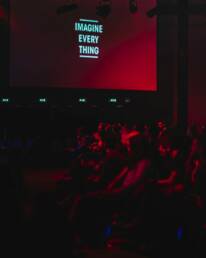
{"x": 145, "y": 181}
{"x": 142, "y": 185}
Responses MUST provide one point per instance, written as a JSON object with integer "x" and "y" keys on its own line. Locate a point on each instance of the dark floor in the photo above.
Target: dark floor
{"x": 113, "y": 254}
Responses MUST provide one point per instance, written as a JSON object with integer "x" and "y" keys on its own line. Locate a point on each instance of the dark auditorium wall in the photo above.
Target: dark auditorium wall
{"x": 167, "y": 64}
{"x": 196, "y": 65}
{"x": 197, "y": 68}
{"x": 4, "y": 46}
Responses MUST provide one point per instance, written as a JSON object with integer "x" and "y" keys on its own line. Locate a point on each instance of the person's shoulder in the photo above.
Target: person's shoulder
{"x": 144, "y": 164}
{"x": 146, "y": 161}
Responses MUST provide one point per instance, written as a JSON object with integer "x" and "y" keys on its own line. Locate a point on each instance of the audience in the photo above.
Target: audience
{"x": 149, "y": 175}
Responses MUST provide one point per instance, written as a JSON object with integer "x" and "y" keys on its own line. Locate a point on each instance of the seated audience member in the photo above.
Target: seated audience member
{"x": 192, "y": 165}
{"x": 195, "y": 171}
{"x": 120, "y": 193}
{"x": 199, "y": 178}
{"x": 94, "y": 168}
{"x": 114, "y": 158}
{"x": 171, "y": 162}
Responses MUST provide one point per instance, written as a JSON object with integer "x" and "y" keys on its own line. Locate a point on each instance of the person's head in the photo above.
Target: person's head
{"x": 139, "y": 146}
{"x": 111, "y": 138}
{"x": 171, "y": 143}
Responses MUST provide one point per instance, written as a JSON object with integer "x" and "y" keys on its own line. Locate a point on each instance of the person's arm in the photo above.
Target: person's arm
{"x": 138, "y": 177}
{"x": 117, "y": 179}
{"x": 169, "y": 180}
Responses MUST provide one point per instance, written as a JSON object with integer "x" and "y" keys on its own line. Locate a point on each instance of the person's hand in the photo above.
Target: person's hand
{"x": 179, "y": 188}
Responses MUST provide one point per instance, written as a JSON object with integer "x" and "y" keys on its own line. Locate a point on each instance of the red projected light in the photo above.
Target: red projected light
{"x": 81, "y": 49}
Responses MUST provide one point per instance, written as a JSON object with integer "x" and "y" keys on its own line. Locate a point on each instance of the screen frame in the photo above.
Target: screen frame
{"x": 159, "y": 103}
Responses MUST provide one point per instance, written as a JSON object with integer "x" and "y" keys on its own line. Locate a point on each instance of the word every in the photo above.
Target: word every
{"x": 88, "y": 39}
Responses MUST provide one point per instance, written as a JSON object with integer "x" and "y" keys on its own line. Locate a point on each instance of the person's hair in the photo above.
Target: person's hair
{"x": 111, "y": 138}
{"x": 139, "y": 147}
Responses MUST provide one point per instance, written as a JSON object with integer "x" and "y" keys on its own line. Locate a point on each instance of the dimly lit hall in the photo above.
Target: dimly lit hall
{"x": 103, "y": 128}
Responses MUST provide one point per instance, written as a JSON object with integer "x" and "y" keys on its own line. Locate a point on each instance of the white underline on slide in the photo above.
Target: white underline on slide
{"x": 85, "y": 20}
{"x": 83, "y": 56}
